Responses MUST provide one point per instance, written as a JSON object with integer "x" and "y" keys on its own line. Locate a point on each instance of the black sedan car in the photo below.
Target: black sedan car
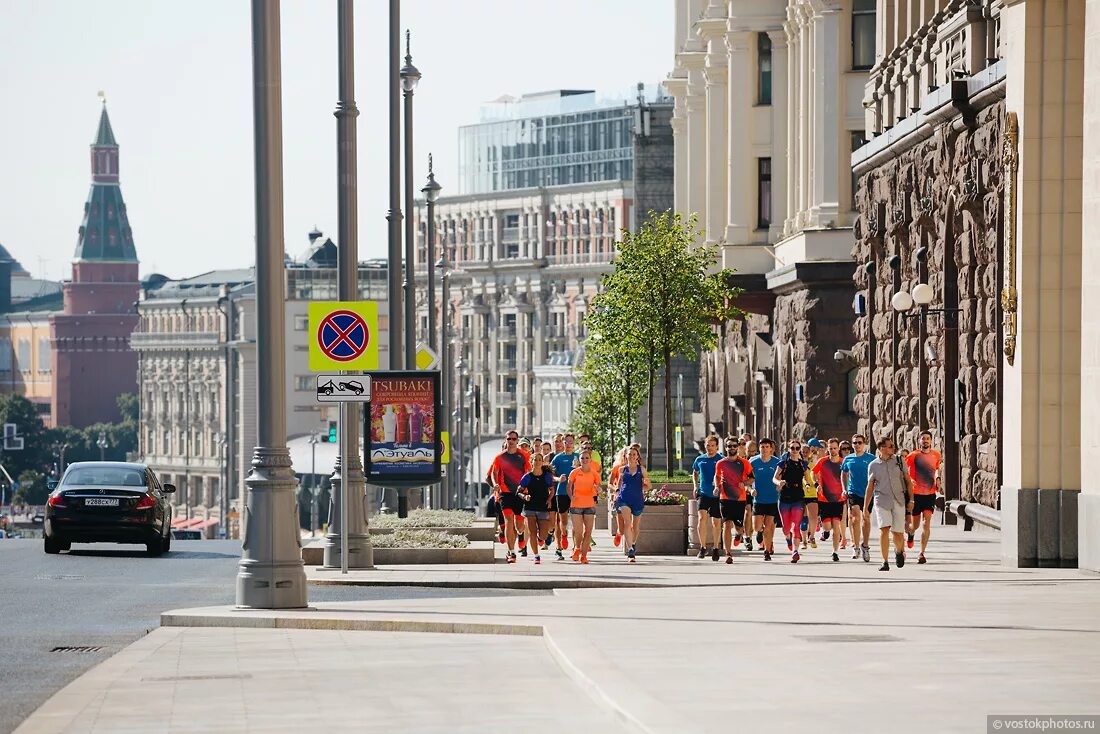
{"x": 109, "y": 502}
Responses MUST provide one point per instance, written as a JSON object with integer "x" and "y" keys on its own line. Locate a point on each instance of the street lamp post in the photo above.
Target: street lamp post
{"x": 101, "y": 442}
{"x": 223, "y": 500}
{"x": 350, "y": 549}
{"x": 313, "y": 440}
{"x": 270, "y": 574}
{"x": 393, "y": 217}
{"x": 410, "y": 75}
{"x": 431, "y": 195}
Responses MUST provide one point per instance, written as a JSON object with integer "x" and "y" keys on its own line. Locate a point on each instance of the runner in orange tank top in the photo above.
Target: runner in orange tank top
{"x": 924, "y": 468}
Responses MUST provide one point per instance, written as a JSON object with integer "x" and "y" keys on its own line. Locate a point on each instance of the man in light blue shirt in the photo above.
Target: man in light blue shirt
{"x": 765, "y": 495}
{"x": 853, "y": 472}
{"x": 702, "y": 476}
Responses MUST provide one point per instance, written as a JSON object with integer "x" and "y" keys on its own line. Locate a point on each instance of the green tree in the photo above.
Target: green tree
{"x": 671, "y": 285}
{"x": 21, "y": 412}
{"x": 32, "y": 488}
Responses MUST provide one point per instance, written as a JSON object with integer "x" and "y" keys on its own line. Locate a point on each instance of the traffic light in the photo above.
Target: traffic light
{"x": 331, "y": 432}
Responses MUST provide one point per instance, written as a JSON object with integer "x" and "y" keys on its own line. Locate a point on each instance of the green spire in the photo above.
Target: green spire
{"x": 104, "y": 135}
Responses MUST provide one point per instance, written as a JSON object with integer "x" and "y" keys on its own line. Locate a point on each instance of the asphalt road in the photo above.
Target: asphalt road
{"x": 106, "y": 596}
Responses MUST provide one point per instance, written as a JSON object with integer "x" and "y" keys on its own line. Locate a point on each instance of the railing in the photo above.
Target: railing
{"x": 510, "y": 234}
{"x": 960, "y": 40}
{"x": 506, "y": 396}
{"x": 505, "y": 365}
{"x": 506, "y": 332}
{"x": 580, "y": 258}
{"x": 169, "y": 339}
{"x": 972, "y": 512}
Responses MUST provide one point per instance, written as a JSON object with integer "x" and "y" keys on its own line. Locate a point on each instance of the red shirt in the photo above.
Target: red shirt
{"x": 730, "y": 475}
{"x": 923, "y": 467}
{"x": 829, "y": 486}
{"x": 508, "y": 469}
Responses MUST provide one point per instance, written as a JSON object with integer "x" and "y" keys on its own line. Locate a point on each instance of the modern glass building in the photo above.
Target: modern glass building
{"x": 552, "y": 139}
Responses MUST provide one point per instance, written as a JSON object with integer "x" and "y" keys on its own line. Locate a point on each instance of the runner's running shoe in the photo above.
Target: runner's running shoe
{"x": 795, "y": 557}
{"x": 855, "y": 553}
{"x": 748, "y": 543}
{"x": 759, "y": 537}
{"x": 899, "y": 559}
{"x": 909, "y": 541}
{"x": 714, "y": 554}
{"x": 560, "y": 555}
{"x": 584, "y": 558}
{"x": 921, "y": 559}
{"x": 737, "y": 540}
{"x": 576, "y": 553}
{"x": 866, "y": 550}
{"x": 538, "y": 561}
{"x": 703, "y": 552}
{"x": 790, "y": 543}
{"x": 618, "y": 539}
{"x": 564, "y": 542}
{"x": 836, "y": 557}
{"x": 729, "y": 560}
{"x": 885, "y": 566}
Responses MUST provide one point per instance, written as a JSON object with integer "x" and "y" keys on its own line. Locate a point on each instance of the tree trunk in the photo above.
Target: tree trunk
{"x": 668, "y": 412}
{"x": 627, "y": 414}
{"x": 649, "y": 427}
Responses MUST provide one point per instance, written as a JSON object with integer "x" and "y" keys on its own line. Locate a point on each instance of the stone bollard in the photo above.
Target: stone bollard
{"x": 693, "y": 527}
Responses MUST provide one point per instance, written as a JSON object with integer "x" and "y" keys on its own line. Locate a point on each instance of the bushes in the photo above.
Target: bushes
{"x": 419, "y": 538}
{"x": 425, "y": 519}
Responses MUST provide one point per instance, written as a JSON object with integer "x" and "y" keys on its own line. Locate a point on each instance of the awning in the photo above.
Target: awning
{"x": 180, "y": 522}
{"x": 203, "y": 524}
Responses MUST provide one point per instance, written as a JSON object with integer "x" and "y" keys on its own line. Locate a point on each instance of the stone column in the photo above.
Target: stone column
{"x": 717, "y": 166}
{"x": 741, "y": 170}
{"x": 825, "y": 206}
{"x": 780, "y": 174}
{"x": 1042, "y": 400}
{"x": 679, "y": 153}
{"x": 794, "y": 114}
{"x": 1089, "y": 509}
{"x": 697, "y": 145}
{"x": 805, "y": 116}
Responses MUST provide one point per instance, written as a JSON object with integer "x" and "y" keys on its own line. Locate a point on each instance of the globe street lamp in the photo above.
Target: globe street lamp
{"x": 101, "y": 442}
{"x": 410, "y": 75}
{"x": 431, "y": 195}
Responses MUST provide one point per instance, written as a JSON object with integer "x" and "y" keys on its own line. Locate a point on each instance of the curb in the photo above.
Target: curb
{"x": 248, "y": 620}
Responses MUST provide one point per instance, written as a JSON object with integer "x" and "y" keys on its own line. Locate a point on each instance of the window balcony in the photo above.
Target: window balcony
{"x": 506, "y": 365}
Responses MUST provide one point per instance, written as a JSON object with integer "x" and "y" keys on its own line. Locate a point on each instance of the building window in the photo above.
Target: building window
{"x": 863, "y": 34}
{"x": 44, "y": 354}
{"x": 301, "y": 323}
{"x": 763, "y": 69}
{"x": 24, "y": 357}
{"x": 764, "y": 193}
{"x": 857, "y": 143}
{"x": 304, "y": 383}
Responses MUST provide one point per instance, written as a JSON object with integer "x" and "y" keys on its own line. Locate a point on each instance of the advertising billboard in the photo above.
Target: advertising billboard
{"x": 402, "y": 441}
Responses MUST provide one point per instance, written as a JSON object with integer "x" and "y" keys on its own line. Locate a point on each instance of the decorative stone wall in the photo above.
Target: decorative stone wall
{"x": 941, "y": 200}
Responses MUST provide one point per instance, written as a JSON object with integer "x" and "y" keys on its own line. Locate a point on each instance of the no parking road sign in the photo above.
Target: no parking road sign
{"x": 343, "y": 335}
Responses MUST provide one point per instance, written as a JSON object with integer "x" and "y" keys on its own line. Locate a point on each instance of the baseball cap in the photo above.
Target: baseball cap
{"x": 815, "y": 443}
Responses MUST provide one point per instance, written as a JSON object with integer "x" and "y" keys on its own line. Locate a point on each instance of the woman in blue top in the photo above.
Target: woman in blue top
{"x": 633, "y": 481}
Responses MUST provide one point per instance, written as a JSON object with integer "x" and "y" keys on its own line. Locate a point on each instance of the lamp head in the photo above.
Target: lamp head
{"x": 901, "y": 301}
{"x": 431, "y": 189}
{"x": 410, "y": 75}
{"x": 923, "y": 294}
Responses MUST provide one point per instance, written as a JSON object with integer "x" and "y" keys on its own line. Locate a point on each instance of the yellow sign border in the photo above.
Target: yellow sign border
{"x": 318, "y": 310}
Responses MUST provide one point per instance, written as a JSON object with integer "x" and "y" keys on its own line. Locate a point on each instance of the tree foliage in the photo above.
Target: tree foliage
{"x": 662, "y": 301}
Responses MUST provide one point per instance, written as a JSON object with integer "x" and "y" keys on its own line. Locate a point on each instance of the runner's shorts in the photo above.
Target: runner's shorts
{"x": 732, "y": 511}
{"x": 892, "y": 517}
{"x": 856, "y": 499}
{"x": 832, "y": 510}
{"x": 764, "y": 509}
{"x": 561, "y": 503}
{"x": 635, "y": 508}
{"x": 582, "y": 510}
{"x": 510, "y": 504}
{"x": 537, "y": 514}
{"x": 923, "y": 504}
{"x": 708, "y": 504}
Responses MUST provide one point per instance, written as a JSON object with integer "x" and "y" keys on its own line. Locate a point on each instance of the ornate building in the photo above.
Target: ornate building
{"x": 547, "y": 183}
{"x": 768, "y": 98}
{"x": 26, "y": 354}
{"x": 92, "y": 362}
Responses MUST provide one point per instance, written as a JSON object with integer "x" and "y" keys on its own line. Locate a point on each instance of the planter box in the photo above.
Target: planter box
{"x": 476, "y": 533}
{"x": 664, "y": 530}
{"x": 314, "y": 555}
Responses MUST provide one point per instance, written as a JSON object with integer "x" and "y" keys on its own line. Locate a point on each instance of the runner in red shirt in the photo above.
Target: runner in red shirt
{"x": 731, "y": 474}
{"x": 831, "y": 494}
{"x": 507, "y": 470}
{"x": 924, "y": 468}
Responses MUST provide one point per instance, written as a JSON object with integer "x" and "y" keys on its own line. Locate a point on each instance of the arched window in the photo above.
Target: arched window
{"x": 851, "y": 390}
{"x": 763, "y": 69}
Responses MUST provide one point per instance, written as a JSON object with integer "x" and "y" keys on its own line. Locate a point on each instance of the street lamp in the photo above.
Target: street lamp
{"x": 101, "y": 442}
{"x": 314, "y": 439}
{"x": 431, "y": 195}
{"x": 410, "y": 75}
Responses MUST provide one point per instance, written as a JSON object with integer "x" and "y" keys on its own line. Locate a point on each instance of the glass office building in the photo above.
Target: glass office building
{"x": 552, "y": 139}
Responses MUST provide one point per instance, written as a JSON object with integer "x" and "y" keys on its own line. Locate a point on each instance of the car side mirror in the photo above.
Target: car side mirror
{"x": 168, "y": 488}
{"x": 51, "y": 484}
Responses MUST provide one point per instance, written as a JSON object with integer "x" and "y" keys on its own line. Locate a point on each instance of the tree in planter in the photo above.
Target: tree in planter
{"x": 670, "y": 284}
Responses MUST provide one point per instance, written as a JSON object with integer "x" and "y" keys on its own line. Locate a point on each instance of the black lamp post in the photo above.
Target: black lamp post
{"x": 101, "y": 442}
{"x": 431, "y": 195}
{"x": 410, "y": 75}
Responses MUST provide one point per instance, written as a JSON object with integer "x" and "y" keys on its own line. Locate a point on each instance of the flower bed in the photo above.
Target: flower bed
{"x": 425, "y": 519}
{"x": 663, "y": 496}
{"x": 419, "y": 538}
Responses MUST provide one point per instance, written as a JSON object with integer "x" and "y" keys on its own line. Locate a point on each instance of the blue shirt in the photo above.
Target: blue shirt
{"x": 764, "y": 471}
{"x": 563, "y": 464}
{"x": 705, "y": 466}
{"x": 856, "y": 466}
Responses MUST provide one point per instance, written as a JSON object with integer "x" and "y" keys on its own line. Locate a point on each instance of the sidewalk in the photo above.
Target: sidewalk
{"x": 816, "y": 646}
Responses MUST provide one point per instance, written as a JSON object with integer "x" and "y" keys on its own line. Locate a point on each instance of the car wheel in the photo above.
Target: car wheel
{"x": 65, "y": 544}
{"x": 155, "y": 548}
{"x": 166, "y": 544}
{"x": 51, "y": 546}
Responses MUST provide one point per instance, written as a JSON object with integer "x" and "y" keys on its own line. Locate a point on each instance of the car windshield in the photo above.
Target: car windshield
{"x": 105, "y": 476}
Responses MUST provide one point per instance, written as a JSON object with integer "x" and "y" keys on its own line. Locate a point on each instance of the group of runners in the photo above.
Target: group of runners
{"x": 542, "y": 490}
{"x": 833, "y": 488}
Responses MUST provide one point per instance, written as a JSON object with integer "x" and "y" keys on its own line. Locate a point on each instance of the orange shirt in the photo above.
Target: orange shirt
{"x": 922, "y": 468}
{"x": 585, "y": 488}
{"x": 614, "y": 473}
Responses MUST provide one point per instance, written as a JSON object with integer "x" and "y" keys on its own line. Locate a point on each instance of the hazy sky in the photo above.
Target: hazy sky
{"x": 178, "y": 82}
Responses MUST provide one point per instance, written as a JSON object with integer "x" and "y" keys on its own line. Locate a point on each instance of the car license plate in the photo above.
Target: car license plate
{"x": 101, "y": 502}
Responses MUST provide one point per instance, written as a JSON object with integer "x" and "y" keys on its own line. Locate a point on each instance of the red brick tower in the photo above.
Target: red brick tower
{"x": 93, "y": 363}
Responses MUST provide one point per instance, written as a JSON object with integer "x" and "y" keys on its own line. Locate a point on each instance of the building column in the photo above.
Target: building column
{"x": 825, "y": 205}
{"x": 717, "y": 146}
{"x": 697, "y": 147}
{"x": 805, "y": 118}
{"x": 679, "y": 153}
{"x": 794, "y": 115}
{"x": 780, "y": 175}
{"x": 1089, "y": 509}
{"x": 741, "y": 172}
{"x": 1042, "y": 400}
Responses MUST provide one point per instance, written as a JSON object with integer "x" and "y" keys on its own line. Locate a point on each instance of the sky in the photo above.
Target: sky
{"x": 177, "y": 77}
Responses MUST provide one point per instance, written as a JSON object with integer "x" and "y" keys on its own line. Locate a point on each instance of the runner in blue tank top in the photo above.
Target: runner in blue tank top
{"x": 630, "y": 503}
